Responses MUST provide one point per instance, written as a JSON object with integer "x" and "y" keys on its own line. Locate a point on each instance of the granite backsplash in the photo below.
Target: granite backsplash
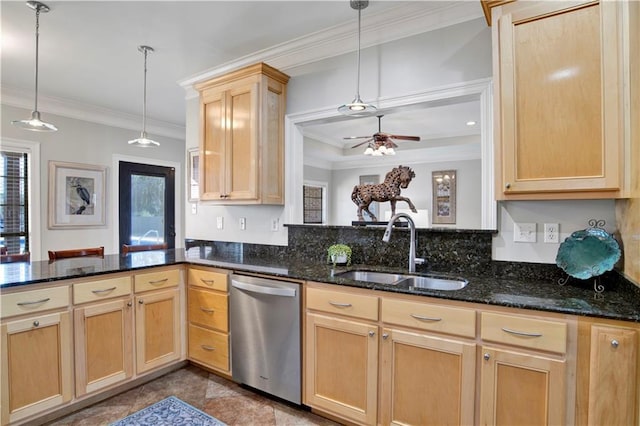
{"x": 451, "y": 251}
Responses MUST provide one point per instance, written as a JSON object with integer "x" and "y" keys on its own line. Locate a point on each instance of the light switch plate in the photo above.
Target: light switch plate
{"x": 524, "y": 232}
{"x": 219, "y": 222}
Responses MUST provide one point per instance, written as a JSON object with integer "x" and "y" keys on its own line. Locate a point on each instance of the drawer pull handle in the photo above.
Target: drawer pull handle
{"x": 423, "y": 318}
{"x": 615, "y": 343}
{"x": 36, "y": 323}
{"x": 207, "y": 348}
{"x": 372, "y": 333}
{"x": 208, "y": 282}
{"x": 486, "y": 356}
{"x": 340, "y": 305}
{"x": 164, "y": 280}
{"x": 35, "y": 302}
{"x": 521, "y": 333}
{"x": 207, "y": 310}
{"x": 106, "y": 290}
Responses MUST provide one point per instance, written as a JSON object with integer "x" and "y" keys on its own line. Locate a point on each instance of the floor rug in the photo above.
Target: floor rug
{"x": 169, "y": 411}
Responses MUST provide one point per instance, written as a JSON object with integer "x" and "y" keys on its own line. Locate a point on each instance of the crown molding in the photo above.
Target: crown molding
{"x": 21, "y": 98}
{"x": 392, "y": 24}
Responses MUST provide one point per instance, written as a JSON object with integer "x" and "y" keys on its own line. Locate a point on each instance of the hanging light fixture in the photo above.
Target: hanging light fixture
{"x": 357, "y": 107}
{"x": 35, "y": 123}
{"x": 143, "y": 141}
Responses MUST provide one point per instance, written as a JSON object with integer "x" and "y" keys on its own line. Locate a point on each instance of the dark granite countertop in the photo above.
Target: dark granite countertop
{"x": 620, "y": 300}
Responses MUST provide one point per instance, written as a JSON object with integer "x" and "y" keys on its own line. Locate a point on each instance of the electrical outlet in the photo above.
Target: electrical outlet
{"x": 524, "y": 232}
{"x": 194, "y": 208}
{"x": 551, "y": 233}
{"x": 243, "y": 223}
{"x": 275, "y": 224}
{"x": 219, "y": 222}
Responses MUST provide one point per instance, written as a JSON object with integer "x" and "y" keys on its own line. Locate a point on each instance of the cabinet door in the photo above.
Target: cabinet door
{"x": 426, "y": 380}
{"x": 36, "y": 365}
{"x": 158, "y": 336}
{"x": 613, "y": 384}
{"x": 242, "y": 142}
{"x": 103, "y": 345}
{"x": 212, "y": 147}
{"x": 560, "y": 97}
{"x": 521, "y": 389}
{"x": 342, "y": 367}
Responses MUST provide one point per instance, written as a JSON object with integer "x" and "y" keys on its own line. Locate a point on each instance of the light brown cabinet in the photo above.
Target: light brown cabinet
{"x": 208, "y": 315}
{"x": 158, "y": 328}
{"x": 37, "y": 366}
{"x": 525, "y": 383}
{"x": 103, "y": 329}
{"x": 242, "y": 136}
{"x": 560, "y": 76}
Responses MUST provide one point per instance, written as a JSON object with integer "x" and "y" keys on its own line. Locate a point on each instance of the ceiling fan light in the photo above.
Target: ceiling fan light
{"x": 34, "y": 124}
{"x": 377, "y": 153}
{"x": 368, "y": 151}
{"x": 382, "y": 149}
{"x": 390, "y": 151}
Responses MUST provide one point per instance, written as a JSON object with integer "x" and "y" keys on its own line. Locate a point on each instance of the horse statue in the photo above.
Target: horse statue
{"x": 389, "y": 190}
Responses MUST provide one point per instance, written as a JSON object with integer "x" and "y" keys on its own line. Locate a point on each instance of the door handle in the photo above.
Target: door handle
{"x": 273, "y": 291}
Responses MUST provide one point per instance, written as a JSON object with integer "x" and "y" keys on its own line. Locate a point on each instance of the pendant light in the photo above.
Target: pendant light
{"x": 35, "y": 124}
{"x": 143, "y": 141}
{"x": 357, "y": 108}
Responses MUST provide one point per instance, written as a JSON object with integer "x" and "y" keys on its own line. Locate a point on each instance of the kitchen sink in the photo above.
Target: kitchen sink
{"x": 433, "y": 283}
{"x": 372, "y": 277}
{"x": 411, "y": 281}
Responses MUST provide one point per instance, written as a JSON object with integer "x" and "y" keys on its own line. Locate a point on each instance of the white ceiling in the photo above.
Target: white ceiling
{"x": 89, "y": 56}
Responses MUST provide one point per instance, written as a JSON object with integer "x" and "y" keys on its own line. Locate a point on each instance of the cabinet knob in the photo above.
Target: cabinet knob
{"x": 385, "y": 336}
{"x": 141, "y": 302}
{"x": 507, "y": 185}
{"x": 36, "y": 323}
{"x": 615, "y": 343}
{"x": 372, "y": 333}
{"x": 129, "y": 304}
{"x": 486, "y": 357}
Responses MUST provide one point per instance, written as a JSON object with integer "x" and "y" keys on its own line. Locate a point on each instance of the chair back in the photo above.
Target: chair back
{"x": 3, "y": 250}
{"x": 127, "y": 248}
{"x": 64, "y": 254}
{"x": 15, "y": 257}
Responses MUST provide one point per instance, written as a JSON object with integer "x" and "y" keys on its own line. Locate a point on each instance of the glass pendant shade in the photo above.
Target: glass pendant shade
{"x": 143, "y": 141}
{"x": 357, "y": 108}
{"x": 35, "y": 124}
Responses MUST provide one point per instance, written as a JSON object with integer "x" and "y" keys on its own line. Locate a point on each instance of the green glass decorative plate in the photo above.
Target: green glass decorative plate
{"x": 588, "y": 253}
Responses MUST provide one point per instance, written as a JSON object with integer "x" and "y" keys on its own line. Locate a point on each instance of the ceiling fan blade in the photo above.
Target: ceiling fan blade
{"x": 356, "y": 137}
{"x": 362, "y": 143}
{"x": 406, "y": 138}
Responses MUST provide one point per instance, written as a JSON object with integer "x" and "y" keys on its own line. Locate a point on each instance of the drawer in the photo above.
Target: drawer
{"x": 526, "y": 332}
{"x": 338, "y": 302}
{"x": 26, "y": 302}
{"x": 424, "y": 316}
{"x": 209, "y": 347}
{"x": 208, "y": 279}
{"x": 209, "y": 309}
{"x": 100, "y": 290}
{"x": 156, "y": 280}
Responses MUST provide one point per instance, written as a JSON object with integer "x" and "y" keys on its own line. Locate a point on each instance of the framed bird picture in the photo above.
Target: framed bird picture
{"x": 76, "y": 195}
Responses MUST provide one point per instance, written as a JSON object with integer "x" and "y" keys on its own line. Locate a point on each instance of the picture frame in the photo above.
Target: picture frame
{"x": 444, "y": 197}
{"x": 374, "y": 207}
{"x": 77, "y": 195}
{"x": 193, "y": 177}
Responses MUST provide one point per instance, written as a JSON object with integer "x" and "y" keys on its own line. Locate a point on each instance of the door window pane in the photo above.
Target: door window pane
{"x": 147, "y": 209}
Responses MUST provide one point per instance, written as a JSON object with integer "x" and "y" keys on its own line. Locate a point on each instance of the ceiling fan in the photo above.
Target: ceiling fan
{"x": 381, "y": 143}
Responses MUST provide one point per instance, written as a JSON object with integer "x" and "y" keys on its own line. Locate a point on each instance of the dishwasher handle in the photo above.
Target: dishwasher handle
{"x": 262, "y": 289}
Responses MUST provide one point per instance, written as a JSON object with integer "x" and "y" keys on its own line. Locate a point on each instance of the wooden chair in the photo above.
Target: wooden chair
{"x": 64, "y": 254}
{"x": 15, "y": 257}
{"x": 126, "y": 248}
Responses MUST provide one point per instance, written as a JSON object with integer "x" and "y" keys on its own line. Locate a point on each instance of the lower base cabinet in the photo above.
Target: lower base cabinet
{"x": 426, "y": 380}
{"x": 521, "y": 389}
{"x": 342, "y": 367}
{"x": 36, "y": 365}
{"x": 103, "y": 345}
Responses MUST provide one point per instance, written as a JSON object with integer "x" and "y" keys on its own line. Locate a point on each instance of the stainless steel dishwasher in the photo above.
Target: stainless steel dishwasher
{"x": 265, "y": 335}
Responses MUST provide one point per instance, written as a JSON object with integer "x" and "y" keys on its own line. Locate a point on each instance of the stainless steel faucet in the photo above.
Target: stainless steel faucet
{"x": 413, "y": 260}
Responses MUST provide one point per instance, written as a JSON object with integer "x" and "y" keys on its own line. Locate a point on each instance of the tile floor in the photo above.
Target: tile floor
{"x": 219, "y": 397}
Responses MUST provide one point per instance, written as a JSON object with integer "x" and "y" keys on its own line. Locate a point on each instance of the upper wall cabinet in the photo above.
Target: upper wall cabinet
{"x": 562, "y": 75}
{"x": 242, "y": 136}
